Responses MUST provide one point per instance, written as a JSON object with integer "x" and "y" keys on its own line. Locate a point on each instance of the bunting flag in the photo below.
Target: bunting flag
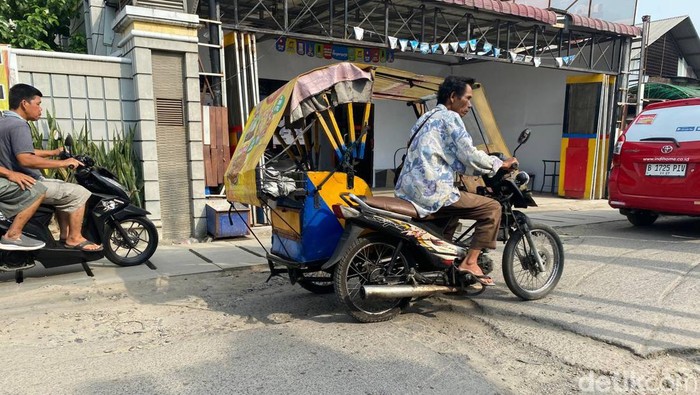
{"x": 424, "y": 48}
{"x": 463, "y": 45}
{"x": 560, "y": 61}
{"x": 486, "y": 49}
{"x": 392, "y": 42}
{"x": 520, "y": 58}
{"x": 454, "y": 46}
{"x": 512, "y": 55}
{"x": 528, "y": 59}
{"x": 445, "y": 48}
{"x": 359, "y": 32}
{"x": 414, "y": 44}
{"x": 496, "y": 52}
{"x": 472, "y": 44}
{"x": 537, "y": 61}
{"x": 569, "y": 59}
{"x": 403, "y": 43}
{"x": 334, "y": 51}
{"x": 434, "y": 48}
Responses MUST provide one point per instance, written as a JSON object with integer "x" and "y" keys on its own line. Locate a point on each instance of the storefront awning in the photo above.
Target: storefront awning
{"x": 605, "y": 26}
{"x": 545, "y": 16}
{"x": 508, "y": 8}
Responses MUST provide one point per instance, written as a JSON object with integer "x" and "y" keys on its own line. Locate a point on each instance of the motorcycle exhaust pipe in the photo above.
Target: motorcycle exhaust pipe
{"x": 403, "y": 291}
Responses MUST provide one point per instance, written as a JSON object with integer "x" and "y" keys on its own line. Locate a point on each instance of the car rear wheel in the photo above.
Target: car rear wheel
{"x": 642, "y": 218}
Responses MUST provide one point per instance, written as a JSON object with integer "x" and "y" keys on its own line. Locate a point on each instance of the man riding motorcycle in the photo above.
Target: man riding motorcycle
{"x": 441, "y": 147}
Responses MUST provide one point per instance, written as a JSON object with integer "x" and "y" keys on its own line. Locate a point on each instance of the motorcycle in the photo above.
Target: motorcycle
{"x": 388, "y": 255}
{"x": 128, "y": 237}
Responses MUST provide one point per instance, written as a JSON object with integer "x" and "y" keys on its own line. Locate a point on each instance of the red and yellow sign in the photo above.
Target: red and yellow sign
{"x": 4, "y": 77}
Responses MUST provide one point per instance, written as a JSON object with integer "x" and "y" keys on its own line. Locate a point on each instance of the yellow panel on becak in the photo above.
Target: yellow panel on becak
{"x": 337, "y": 184}
{"x": 258, "y": 131}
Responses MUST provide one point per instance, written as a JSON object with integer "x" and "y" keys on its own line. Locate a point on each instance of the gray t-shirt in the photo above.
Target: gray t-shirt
{"x": 15, "y": 138}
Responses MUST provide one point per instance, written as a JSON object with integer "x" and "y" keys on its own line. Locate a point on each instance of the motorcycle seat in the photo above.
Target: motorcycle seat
{"x": 393, "y": 204}
{"x": 404, "y": 207}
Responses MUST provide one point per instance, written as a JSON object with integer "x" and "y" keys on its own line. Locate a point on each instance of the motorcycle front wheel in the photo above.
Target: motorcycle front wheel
{"x": 520, "y": 270}
{"x": 364, "y": 263}
{"x": 130, "y": 241}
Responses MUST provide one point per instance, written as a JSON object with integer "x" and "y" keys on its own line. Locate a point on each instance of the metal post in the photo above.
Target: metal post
{"x": 286, "y": 16}
{"x": 641, "y": 84}
{"x": 238, "y": 79}
{"x": 498, "y": 33}
{"x": 222, "y": 62}
{"x": 591, "y": 52}
{"x": 386, "y": 22}
{"x": 422, "y": 23}
{"x": 435, "y": 17}
{"x": 507, "y": 34}
{"x": 345, "y": 20}
{"x": 256, "y": 85}
{"x": 214, "y": 54}
{"x": 331, "y": 12}
{"x": 244, "y": 77}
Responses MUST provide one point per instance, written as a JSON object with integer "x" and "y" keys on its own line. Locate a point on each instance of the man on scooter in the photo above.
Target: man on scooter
{"x": 442, "y": 147}
{"x": 17, "y": 153}
{"x": 20, "y": 196}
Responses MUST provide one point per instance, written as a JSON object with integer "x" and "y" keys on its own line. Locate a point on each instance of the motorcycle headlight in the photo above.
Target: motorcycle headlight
{"x": 522, "y": 178}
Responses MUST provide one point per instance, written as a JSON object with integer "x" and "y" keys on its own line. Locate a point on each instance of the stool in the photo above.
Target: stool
{"x": 551, "y": 174}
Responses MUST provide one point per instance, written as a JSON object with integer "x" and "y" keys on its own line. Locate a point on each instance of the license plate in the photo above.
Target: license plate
{"x": 666, "y": 169}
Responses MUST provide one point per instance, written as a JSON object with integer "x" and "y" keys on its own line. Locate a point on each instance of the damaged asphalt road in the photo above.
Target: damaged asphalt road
{"x": 624, "y": 318}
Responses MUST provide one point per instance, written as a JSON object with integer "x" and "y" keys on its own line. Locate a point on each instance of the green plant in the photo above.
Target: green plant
{"x": 120, "y": 158}
{"x": 35, "y": 24}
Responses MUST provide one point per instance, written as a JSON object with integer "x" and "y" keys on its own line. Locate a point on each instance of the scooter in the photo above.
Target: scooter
{"x": 388, "y": 255}
{"x": 128, "y": 237}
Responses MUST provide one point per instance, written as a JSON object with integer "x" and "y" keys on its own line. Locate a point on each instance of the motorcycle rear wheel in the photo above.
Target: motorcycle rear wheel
{"x": 519, "y": 265}
{"x": 364, "y": 263}
{"x": 141, "y": 232}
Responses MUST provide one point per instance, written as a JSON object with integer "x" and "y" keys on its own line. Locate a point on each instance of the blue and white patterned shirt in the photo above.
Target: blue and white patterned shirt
{"x": 441, "y": 148}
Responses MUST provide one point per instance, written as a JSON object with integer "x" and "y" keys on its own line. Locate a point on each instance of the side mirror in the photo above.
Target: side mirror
{"x": 524, "y": 136}
{"x": 68, "y": 145}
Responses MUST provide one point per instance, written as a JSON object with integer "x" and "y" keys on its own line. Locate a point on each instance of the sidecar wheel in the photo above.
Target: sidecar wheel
{"x": 142, "y": 234}
{"x": 365, "y": 263}
{"x": 519, "y": 265}
{"x": 317, "y": 287}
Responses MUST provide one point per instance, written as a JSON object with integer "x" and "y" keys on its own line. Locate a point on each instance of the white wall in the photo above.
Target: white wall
{"x": 520, "y": 97}
{"x": 80, "y": 88}
{"x": 525, "y": 97}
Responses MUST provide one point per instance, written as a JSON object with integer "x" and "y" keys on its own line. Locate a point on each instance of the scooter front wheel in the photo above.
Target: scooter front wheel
{"x": 130, "y": 241}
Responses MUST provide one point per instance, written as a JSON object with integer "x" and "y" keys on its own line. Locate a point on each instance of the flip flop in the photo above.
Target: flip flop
{"x": 481, "y": 278}
{"x": 82, "y": 246}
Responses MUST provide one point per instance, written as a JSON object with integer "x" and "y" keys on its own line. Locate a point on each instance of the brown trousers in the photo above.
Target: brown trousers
{"x": 485, "y": 211}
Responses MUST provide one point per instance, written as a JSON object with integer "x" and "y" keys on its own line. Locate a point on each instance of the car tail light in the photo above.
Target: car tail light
{"x": 617, "y": 150}
{"x": 344, "y": 212}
